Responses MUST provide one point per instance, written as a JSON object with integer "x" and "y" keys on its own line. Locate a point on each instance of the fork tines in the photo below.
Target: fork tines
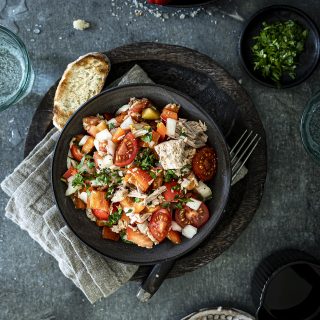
{"x": 242, "y": 150}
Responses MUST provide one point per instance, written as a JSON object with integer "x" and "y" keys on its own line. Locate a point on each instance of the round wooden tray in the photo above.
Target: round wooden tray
{"x": 223, "y": 98}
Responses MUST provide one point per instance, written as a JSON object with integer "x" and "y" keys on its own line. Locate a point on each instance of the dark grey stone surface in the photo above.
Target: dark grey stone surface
{"x": 32, "y": 286}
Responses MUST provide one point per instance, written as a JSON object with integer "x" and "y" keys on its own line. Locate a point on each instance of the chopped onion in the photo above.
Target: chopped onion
{"x": 175, "y": 226}
{"x": 204, "y": 190}
{"x": 194, "y": 204}
{"x": 106, "y": 162}
{"x": 96, "y": 144}
{"x": 171, "y": 127}
{"x": 143, "y": 227}
{"x": 83, "y": 140}
{"x": 189, "y": 231}
{"x": 111, "y": 147}
{"x": 123, "y": 109}
{"x": 104, "y": 135}
{"x": 126, "y": 123}
{"x": 83, "y": 196}
{"x": 90, "y": 215}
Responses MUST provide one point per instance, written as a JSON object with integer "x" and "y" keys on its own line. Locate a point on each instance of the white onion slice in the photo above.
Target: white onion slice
{"x": 126, "y": 123}
{"x": 106, "y": 162}
{"x": 175, "y": 226}
{"x": 123, "y": 109}
{"x": 104, "y": 135}
{"x": 83, "y": 140}
{"x": 111, "y": 147}
{"x": 83, "y": 196}
{"x": 171, "y": 127}
{"x": 71, "y": 189}
{"x": 194, "y": 204}
{"x": 189, "y": 231}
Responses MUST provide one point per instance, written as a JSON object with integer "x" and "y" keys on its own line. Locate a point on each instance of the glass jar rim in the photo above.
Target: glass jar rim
{"x": 28, "y": 67}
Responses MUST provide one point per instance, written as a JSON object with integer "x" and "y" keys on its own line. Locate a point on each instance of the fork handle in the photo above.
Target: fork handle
{"x": 154, "y": 280}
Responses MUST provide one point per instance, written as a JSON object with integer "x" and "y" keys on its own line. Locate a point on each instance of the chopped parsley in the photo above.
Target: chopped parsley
{"x": 114, "y": 217}
{"x": 145, "y": 159}
{"x": 147, "y": 137}
{"x": 111, "y": 125}
{"x": 181, "y": 202}
{"x": 78, "y": 180}
{"x": 170, "y": 175}
{"x": 90, "y": 164}
{"x": 152, "y": 174}
{"x": 277, "y": 48}
{"x": 137, "y": 200}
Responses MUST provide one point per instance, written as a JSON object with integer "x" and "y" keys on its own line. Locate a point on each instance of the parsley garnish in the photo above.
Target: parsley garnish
{"x": 137, "y": 199}
{"x": 111, "y": 125}
{"x": 277, "y": 48}
{"x": 123, "y": 236}
{"x": 78, "y": 180}
{"x": 145, "y": 159}
{"x": 170, "y": 175}
{"x": 114, "y": 217}
{"x": 147, "y": 137}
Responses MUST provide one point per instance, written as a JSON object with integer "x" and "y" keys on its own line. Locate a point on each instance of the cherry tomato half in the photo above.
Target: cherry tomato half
{"x": 159, "y": 224}
{"x": 76, "y": 153}
{"x": 173, "y": 191}
{"x": 126, "y": 151}
{"x": 204, "y": 163}
{"x": 197, "y": 218}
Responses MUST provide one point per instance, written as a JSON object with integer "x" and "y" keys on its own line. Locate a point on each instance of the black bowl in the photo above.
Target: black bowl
{"x": 86, "y": 230}
{"x": 308, "y": 60}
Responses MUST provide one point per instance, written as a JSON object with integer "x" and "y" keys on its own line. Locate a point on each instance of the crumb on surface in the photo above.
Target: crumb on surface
{"x": 80, "y": 24}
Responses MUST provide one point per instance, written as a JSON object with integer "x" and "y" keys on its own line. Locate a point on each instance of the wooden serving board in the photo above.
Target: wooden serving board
{"x": 224, "y": 99}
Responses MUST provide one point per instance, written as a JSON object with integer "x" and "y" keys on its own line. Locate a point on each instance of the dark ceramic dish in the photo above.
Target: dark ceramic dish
{"x": 87, "y": 231}
{"x": 308, "y": 60}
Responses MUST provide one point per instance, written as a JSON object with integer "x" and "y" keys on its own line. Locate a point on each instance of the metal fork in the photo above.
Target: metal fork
{"x": 242, "y": 150}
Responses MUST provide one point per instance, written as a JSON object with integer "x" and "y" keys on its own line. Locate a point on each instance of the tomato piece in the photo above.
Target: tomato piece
{"x": 174, "y": 236}
{"x": 97, "y": 158}
{"x": 141, "y": 179}
{"x": 158, "y": 181}
{"x": 172, "y": 107}
{"x": 76, "y": 153}
{"x": 162, "y": 130}
{"x": 118, "y": 135}
{"x": 88, "y": 146}
{"x": 107, "y": 233}
{"x": 197, "y": 218}
{"x": 168, "y": 114}
{"x": 97, "y": 200}
{"x": 137, "y": 106}
{"x": 155, "y": 137}
{"x": 90, "y": 121}
{"x": 159, "y": 224}
{"x": 139, "y": 238}
{"x": 204, "y": 163}
{"x": 126, "y": 151}
{"x": 70, "y": 172}
{"x": 173, "y": 191}
{"x": 101, "y": 214}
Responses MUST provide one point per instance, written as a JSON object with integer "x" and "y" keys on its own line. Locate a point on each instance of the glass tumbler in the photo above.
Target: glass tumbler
{"x": 310, "y": 127}
{"x": 16, "y": 73}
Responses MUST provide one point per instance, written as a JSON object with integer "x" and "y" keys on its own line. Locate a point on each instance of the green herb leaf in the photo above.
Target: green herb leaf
{"x": 170, "y": 175}
{"x": 114, "y": 217}
{"x": 78, "y": 180}
{"x": 123, "y": 236}
{"x": 145, "y": 159}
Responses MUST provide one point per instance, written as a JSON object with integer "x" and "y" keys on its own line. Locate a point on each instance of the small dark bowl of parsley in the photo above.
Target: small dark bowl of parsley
{"x": 280, "y": 46}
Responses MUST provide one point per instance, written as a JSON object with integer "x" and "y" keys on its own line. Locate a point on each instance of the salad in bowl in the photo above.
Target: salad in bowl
{"x": 141, "y": 173}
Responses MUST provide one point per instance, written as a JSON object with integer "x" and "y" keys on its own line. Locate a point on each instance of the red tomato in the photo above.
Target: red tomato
{"x": 70, "y": 172}
{"x": 174, "y": 236}
{"x": 76, "y": 153}
{"x": 187, "y": 216}
{"x": 204, "y": 163}
{"x": 126, "y": 151}
{"x": 139, "y": 238}
{"x": 159, "y": 224}
{"x": 141, "y": 178}
{"x": 101, "y": 214}
{"x": 171, "y": 195}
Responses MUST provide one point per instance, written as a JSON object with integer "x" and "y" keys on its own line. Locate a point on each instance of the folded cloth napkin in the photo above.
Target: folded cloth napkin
{"x": 32, "y": 207}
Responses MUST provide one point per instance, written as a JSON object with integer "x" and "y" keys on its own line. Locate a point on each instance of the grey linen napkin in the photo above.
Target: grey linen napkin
{"x": 32, "y": 207}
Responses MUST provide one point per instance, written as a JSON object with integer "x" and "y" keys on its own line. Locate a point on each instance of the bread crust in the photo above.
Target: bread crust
{"x": 66, "y": 100}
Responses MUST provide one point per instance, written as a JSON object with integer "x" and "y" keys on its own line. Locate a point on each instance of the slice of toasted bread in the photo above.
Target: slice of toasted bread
{"x": 83, "y": 79}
